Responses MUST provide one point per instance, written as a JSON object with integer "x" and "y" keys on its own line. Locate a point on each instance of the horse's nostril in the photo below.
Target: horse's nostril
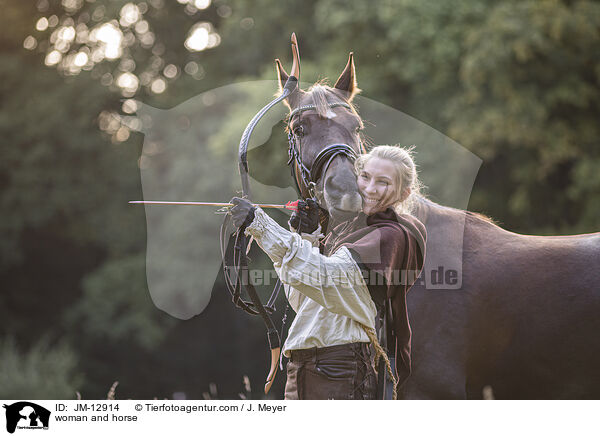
{"x": 342, "y": 193}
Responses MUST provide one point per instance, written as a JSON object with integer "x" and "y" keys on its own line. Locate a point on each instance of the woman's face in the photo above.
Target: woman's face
{"x": 377, "y": 185}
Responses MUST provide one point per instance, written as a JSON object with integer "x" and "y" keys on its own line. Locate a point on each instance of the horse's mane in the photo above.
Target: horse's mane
{"x": 322, "y": 94}
{"x": 482, "y": 217}
{"x": 421, "y": 203}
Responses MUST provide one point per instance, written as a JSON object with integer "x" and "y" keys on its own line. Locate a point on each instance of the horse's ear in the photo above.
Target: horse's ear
{"x": 282, "y": 76}
{"x": 347, "y": 80}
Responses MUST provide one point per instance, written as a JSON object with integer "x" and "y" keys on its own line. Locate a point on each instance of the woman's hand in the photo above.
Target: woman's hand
{"x": 306, "y": 218}
{"x": 242, "y": 212}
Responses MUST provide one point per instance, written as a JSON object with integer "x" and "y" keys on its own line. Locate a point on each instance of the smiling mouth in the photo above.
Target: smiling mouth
{"x": 370, "y": 200}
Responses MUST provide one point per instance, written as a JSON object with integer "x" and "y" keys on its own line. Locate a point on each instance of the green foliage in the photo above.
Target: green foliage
{"x": 44, "y": 372}
{"x": 56, "y": 165}
{"x": 529, "y": 102}
{"x": 115, "y": 305}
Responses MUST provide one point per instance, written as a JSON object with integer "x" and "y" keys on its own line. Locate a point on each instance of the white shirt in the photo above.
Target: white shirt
{"x": 328, "y": 293}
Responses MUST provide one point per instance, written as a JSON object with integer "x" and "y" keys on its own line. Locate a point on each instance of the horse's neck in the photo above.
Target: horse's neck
{"x": 429, "y": 212}
{"x": 446, "y": 223}
{"x": 449, "y": 223}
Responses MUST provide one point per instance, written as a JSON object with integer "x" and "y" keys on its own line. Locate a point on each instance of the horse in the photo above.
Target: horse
{"x": 525, "y": 316}
{"x": 524, "y": 321}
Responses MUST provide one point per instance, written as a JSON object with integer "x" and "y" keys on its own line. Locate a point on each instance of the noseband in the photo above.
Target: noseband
{"x": 310, "y": 177}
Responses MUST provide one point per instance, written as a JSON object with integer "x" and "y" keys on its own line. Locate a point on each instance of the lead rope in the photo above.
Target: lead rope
{"x": 380, "y": 352}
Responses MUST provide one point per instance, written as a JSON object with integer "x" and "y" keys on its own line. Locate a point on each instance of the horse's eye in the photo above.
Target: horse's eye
{"x": 299, "y": 131}
{"x": 358, "y": 129}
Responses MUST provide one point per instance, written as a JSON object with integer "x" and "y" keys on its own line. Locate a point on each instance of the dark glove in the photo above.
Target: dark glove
{"x": 306, "y": 218}
{"x": 242, "y": 212}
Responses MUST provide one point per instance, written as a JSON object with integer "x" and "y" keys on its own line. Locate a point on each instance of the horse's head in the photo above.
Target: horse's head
{"x": 325, "y": 129}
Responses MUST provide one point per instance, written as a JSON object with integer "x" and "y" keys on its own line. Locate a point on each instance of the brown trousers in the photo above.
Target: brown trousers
{"x": 339, "y": 372}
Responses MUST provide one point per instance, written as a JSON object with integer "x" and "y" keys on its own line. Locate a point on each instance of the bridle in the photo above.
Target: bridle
{"x": 234, "y": 247}
{"x": 306, "y": 179}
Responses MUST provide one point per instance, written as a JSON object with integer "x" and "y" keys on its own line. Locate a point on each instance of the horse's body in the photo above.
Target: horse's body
{"x": 526, "y": 318}
{"x": 525, "y": 322}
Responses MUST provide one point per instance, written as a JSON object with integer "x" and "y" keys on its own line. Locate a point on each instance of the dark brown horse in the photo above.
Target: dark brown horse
{"x": 525, "y": 319}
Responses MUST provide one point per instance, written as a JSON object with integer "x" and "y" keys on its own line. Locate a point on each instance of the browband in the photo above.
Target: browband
{"x": 314, "y": 106}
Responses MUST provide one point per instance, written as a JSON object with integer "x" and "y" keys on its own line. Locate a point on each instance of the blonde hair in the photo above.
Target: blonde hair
{"x": 379, "y": 353}
{"x": 406, "y": 173}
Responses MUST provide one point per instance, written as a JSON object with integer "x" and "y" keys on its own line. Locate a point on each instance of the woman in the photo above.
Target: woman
{"x": 366, "y": 266}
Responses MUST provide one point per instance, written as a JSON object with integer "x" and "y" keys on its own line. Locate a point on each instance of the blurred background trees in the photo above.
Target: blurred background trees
{"x": 515, "y": 82}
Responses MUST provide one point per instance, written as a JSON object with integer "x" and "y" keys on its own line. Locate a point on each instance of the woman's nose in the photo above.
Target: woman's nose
{"x": 370, "y": 187}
